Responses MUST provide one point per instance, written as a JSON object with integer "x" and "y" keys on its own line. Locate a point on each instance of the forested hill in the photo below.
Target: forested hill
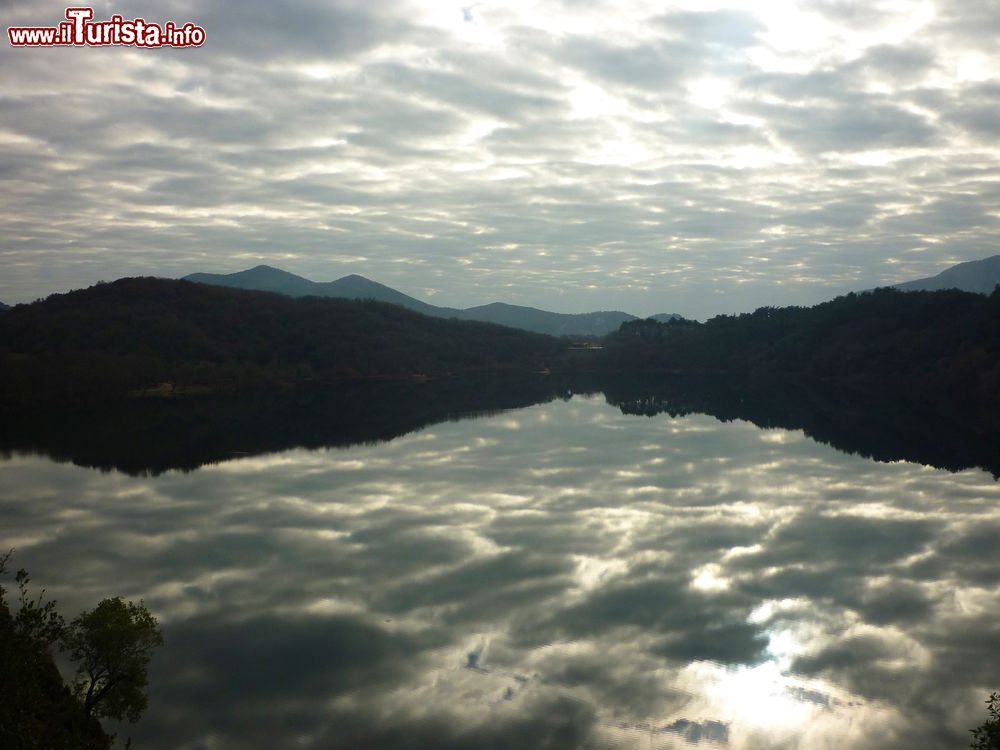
{"x": 946, "y": 341}
{"x": 181, "y": 337}
{"x": 135, "y": 333}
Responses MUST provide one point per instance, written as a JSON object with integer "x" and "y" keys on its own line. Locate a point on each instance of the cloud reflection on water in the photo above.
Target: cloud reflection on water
{"x": 620, "y": 581}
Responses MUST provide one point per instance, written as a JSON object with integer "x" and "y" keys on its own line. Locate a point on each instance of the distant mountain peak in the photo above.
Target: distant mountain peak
{"x": 271, "y": 271}
{"x": 354, "y": 286}
{"x": 265, "y": 269}
{"x": 980, "y": 276}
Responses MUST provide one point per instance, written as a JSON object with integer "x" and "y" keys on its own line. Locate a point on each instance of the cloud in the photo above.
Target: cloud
{"x": 655, "y": 66}
{"x": 302, "y": 31}
{"x": 614, "y": 156}
{"x": 718, "y": 28}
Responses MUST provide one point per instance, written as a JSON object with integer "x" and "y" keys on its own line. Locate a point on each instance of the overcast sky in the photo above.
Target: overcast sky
{"x": 691, "y": 157}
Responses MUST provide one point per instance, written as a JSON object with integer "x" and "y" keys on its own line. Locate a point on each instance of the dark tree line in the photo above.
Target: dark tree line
{"x": 102, "y": 342}
{"x": 134, "y": 335}
{"x": 942, "y": 344}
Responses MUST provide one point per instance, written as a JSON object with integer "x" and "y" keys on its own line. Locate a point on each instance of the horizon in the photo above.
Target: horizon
{"x": 701, "y": 159}
{"x": 491, "y": 302}
{"x": 403, "y": 291}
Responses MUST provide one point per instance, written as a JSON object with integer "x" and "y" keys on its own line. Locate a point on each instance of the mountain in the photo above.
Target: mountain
{"x": 666, "y": 317}
{"x": 542, "y": 321}
{"x": 4, "y": 307}
{"x": 268, "y": 279}
{"x": 175, "y": 337}
{"x": 980, "y": 276}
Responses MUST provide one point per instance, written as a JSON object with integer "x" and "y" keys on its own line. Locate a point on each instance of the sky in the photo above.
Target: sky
{"x": 689, "y": 157}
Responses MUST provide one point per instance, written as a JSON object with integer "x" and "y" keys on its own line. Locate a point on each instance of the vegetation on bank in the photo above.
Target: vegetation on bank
{"x": 106, "y": 341}
{"x": 159, "y": 337}
{"x": 987, "y": 735}
{"x": 946, "y": 342}
{"x": 112, "y": 646}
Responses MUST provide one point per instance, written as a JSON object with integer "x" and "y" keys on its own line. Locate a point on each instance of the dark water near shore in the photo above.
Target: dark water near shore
{"x": 556, "y": 575}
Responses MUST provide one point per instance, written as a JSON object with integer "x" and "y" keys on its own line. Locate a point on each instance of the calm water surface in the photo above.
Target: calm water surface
{"x": 558, "y": 576}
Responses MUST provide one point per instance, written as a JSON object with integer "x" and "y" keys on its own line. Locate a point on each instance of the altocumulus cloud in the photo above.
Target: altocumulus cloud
{"x": 701, "y": 158}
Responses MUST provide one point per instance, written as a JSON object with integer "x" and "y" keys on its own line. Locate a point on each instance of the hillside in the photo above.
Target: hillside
{"x": 165, "y": 337}
{"x": 131, "y": 334}
{"x": 266, "y": 278}
{"x": 979, "y": 276}
{"x": 540, "y": 321}
{"x": 943, "y": 344}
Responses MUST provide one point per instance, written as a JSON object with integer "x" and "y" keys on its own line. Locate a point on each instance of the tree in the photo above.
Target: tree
{"x": 37, "y": 710}
{"x": 36, "y": 620}
{"x": 987, "y": 736}
{"x": 113, "y": 645}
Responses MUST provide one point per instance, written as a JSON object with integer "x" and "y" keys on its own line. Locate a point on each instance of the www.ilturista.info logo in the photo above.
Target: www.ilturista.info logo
{"x": 79, "y": 30}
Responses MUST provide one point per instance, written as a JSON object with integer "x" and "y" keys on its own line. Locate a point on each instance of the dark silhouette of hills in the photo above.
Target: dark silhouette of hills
{"x": 105, "y": 341}
{"x": 266, "y": 278}
{"x": 887, "y": 374}
{"x": 541, "y": 321}
{"x": 942, "y": 347}
{"x": 979, "y": 276}
{"x": 4, "y": 307}
{"x": 166, "y": 339}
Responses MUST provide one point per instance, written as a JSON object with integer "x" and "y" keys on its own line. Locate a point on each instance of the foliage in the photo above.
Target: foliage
{"x": 113, "y": 644}
{"x": 36, "y": 619}
{"x": 946, "y": 344}
{"x": 37, "y": 710}
{"x": 987, "y": 736}
{"x": 100, "y": 343}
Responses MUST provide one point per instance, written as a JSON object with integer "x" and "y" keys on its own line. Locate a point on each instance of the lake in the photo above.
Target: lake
{"x": 559, "y": 575}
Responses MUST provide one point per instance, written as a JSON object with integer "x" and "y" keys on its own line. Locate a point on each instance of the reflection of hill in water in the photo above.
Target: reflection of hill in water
{"x": 878, "y": 424}
{"x": 152, "y": 436}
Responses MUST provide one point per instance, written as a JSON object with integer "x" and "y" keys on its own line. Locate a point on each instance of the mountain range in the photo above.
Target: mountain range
{"x": 980, "y": 276}
{"x": 269, "y": 279}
